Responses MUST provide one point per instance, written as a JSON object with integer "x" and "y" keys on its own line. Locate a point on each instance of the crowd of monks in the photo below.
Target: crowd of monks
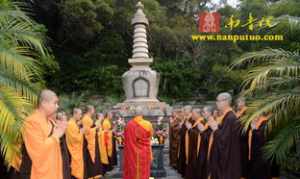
{"x": 213, "y": 143}
{"x": 55, "y": 147}
{"x": 207, "y": 143}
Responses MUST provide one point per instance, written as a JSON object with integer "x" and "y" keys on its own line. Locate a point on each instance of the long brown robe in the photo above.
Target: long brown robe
{"x": 259, "y": 168}
{"x": 174, "y": 143}
{"x": 181, "y": 157}
{"x": 197, "y": 147}
{"x": 201, "y": 170}
{"x": 3, "y": 169}
{"x": 244, "y": 143}
{"x": 225, "y": 158}
{"x": 194, "y": 141}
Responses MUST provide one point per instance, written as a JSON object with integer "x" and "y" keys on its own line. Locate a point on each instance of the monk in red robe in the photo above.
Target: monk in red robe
{"x": 137, "y": 148}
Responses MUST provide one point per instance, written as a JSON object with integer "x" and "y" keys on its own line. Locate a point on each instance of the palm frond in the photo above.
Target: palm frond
{"x": 279, "y": 147}
{"x": 265, "y": 56}
{"x": 259, "y": 77}
{"x": 12, "y": 60}
{"x": 281, "y": 105}
{"x": 26, "y": 88}
{"x": 21, "y": 48}
{"x": 16, "y": 10}
{"x": 13, "y": 110}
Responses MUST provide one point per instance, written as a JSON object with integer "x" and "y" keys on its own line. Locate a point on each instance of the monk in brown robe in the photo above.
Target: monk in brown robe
{"x": 240, "y": 111}
{"x": 62, "y": 117}
{"x": 160, "y": 131}
{"x": 42, "y": 139}
{"x": 194, "y": 148}
{"x": 91, "y": 152}
{"x": 183, "y": 133}
{"x": 74, "y": 138}
{"x": 174, "y": 138}
{"x": 259, "y": 167}
{"x": 202, "y": 171}
{"x": 3, "y": 170}
{"x": 225, "y": 159}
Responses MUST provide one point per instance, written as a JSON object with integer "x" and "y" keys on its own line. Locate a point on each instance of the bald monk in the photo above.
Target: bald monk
{"x": 259, "y": 167}
{"x": 194, "y": 147}
{"x": 225, "y": 158}
{"x": 240, "y": 112}
{"x": 74, "y": 138}
{"x": 62, "y": 117}
{"x": 174, "y": 138}
{"x": 183, "y": 133}
{"x": 107, "y": 143}
{"x": 137, "y": 147}
{"x": 42, "y": 140}
{"x": 92, "y": 158}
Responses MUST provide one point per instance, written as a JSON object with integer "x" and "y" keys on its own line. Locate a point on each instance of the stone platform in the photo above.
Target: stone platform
{"x": 170, "y": 172}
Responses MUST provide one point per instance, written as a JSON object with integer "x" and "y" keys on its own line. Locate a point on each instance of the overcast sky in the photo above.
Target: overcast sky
{"x": 233, "y": 3}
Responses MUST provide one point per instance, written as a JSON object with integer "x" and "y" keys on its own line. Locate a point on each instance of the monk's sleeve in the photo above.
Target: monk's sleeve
{"x": 225, "y": 139}
{"x": 38, "y": 147}
{"x": 106, "y": 125}
{"x": 73, "y": 134}
{"x": 151, "y": 129}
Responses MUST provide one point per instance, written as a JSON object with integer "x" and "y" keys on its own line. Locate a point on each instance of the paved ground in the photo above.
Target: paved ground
{"x": 171, "y": 173}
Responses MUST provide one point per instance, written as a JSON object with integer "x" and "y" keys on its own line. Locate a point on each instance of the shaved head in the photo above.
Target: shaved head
{"x": 90, "y": 108}
{"x": 225, "y": 97}
{"x": 46, "y": 95}
{"x": 48, "y": 102}
{"x": 208, "y": 108}
{"x": 77, "y": 112}
{"x": 139, "y": 110}
{"x": 188, "y": 109}
{"x": 241, "y": 102}
{"x": 224, "y": 101}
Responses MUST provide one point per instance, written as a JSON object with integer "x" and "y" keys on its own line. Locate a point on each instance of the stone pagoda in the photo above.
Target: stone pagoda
{"x": 140, "y": 82}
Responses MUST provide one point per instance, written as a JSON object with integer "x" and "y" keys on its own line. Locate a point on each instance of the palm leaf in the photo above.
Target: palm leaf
{"x": 14, "y": 108}
{"x": 281, "y": 105}
{"x": 279, "y": 147}
{"x": 21, "y": 45}
{"x": 265, "y": 56}
{"x": 259, "y": 77}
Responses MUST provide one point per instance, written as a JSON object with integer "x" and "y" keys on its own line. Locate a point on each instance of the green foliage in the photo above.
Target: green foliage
{"x": 21, "y": 49}
{"x": 68, "y": 102}
{"x": 102, "y": 103}
{"x": 175, "y": 76}
{"x": 97, "y": 35}
{"x": 82, "y": 20}
{"x": 273, "y": 78}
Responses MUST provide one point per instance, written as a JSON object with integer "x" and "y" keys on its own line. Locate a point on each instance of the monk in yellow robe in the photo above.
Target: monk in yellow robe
{"x": 74, "y": 139}
{"x": 107, "y": 143}
{"x": 92, "y": 159}
{"x": 42, "y": 140}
